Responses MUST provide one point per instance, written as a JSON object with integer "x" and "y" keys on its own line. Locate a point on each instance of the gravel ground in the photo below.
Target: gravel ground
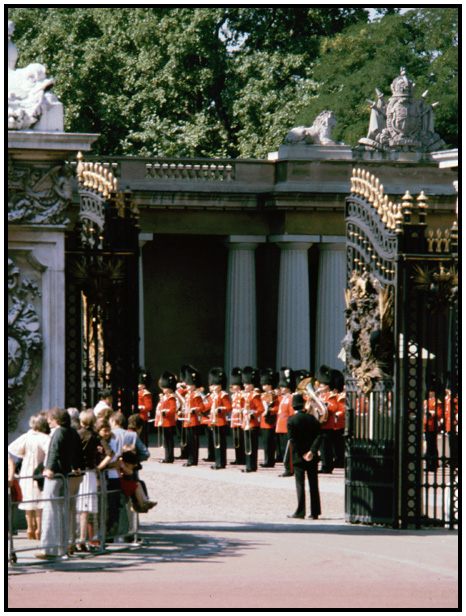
{"x": 197, "y": 494}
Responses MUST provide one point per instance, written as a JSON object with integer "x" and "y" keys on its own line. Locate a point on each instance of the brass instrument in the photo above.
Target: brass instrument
{"x": 213, "y": 423}
{"x": 184, "y": 416}
{"x": 236, "y": 429}
{"x": 247, "y": 427}
{"x": 159, "y": 423}
{"x": 314, "y": 405}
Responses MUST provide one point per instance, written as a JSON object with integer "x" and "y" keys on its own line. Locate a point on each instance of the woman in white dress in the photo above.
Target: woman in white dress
{"x": 32, "y": 447}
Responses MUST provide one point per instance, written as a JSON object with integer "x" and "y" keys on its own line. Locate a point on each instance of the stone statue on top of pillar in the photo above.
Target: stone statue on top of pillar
{"x": 31, "y": 104}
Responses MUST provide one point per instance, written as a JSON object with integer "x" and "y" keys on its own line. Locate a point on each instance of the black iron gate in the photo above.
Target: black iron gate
{"x": 402, "y": 362}
{"x": 101, "y": 272}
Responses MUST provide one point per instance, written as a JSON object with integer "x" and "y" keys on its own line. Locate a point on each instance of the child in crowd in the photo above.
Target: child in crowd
{"x": 129, "y": 483}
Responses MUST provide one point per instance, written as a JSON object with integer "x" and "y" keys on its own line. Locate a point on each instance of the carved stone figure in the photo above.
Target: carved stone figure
{"x": 318, "y": 133}
{"x": 403, "y": 123}
{"x": 368, "y": 343}
{"x": 30, "y": 102}
{"x": 37, "y": 195}
{"x": 24, "y": 341}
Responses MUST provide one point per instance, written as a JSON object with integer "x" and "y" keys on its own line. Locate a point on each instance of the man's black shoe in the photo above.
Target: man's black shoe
{"x": 267, "y": 465}
{"x": 208, "y": 460}
{"x": 312, "y": 517}
{"x": 247, "y": 470}
{"x": 286, "y": 475}
{"x": 295, "y": 515}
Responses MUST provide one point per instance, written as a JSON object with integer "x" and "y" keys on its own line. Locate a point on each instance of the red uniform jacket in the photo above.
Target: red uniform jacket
{"x": 236, "y": 409}
{"x": 193, "y": 405}
{"x": 144, "y": 403}
{"x": 285, "y": 410}
{"x": 272, "y": 409}
{"x": 166, "y": 406}
{"x": 252, "y": 405}
{"x": 449, "y": 413}
{"x": 218, "y": 405}
{"x": 433, "y": 414}
{"x": 341, "y": 410}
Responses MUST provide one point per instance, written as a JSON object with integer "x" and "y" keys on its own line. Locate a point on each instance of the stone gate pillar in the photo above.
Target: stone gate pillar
{"x": 241, "y": 330}
{"x": 331, "y": 325}
{"x": 294, "y": 333}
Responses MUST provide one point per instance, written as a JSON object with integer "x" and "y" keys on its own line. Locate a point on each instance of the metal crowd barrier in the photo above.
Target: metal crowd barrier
{"x": 62, "y": 516}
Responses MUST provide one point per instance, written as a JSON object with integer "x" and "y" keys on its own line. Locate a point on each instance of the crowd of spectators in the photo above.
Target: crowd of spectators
{"x": 64, "y": 463}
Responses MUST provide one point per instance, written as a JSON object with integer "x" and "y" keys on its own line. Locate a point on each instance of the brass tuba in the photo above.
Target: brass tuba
{"x": 314, "y": 405}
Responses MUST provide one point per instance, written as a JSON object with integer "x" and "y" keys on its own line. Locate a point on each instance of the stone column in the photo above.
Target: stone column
{"x": 331, "y": 325}
{"x": 241, "y": 331}
{"x": 293, "y": 333}
{"x": 143, "y": 239}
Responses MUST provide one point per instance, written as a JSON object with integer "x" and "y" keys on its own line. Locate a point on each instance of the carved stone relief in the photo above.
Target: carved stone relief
{"x": 24, "y": 341}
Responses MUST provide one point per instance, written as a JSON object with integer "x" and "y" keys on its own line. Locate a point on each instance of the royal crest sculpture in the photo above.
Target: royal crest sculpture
{"x": 404, "y": 123}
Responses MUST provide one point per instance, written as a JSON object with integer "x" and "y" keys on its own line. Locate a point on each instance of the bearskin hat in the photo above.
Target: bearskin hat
{"x": 287, "y": 378}
{"x": 217, "y": 376}
{"x": 433, "y": 383}
{"x": 267, "y": 376}
{"x": 323, "y": 375}
{"x": 236, "y": 377}
{"x": 168, "y": 380}
{"x": 250, "y": 376}
{"x": 337, "y": 380}
{"x": 300, "y": 375}
{"x": 192, "y": 376}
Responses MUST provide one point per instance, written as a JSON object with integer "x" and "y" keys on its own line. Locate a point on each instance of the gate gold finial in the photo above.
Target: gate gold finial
{"x": 407, "y": 202}
{"x": 422, "y": 205}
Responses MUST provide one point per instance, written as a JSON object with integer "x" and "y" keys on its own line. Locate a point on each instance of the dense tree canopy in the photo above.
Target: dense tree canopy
{"x": 231, "y": 81}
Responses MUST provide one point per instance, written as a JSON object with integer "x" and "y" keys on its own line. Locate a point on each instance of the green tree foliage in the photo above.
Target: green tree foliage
{"x": 368, "y": 56}
{"x": 215, "y": 81}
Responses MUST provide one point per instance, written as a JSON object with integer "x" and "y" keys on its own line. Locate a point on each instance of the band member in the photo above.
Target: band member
{"x": 433, "y": 413}
{"x": 180, "y": 393}
{"x": 165, "y": 414}
{"x": 144, "y": 405}
{"x": 218, "y": 404}
{"x": 336, "y": 404}
{"x": 268, "y": 419}
{"x": 303, "y": 430}
{"x": 192, "y": 407}
{"x": 252, "y": 411}
{"x": 287, "y": 385}
{"x": 236, "y": 419}
{"x": 327, "y": 428}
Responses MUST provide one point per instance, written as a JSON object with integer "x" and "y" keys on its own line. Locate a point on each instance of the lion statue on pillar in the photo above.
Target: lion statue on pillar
{"x": 318, "y": 133}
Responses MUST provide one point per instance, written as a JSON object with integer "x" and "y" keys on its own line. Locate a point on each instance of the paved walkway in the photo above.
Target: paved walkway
{"x": 221, "y": 539}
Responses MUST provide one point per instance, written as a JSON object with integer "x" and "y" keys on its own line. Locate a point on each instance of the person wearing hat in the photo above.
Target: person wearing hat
{"x": 166, "y": 408}
{"x": 287, "y": 385}
{"x": 236, "y": 419}
{"x": 144, "y": 403}
{"x": 303, "y": 432}
{"x": 327, "y": 428}
{"x": 252, "y": 411}
{"x": 192, "y": 407}
{"x": 180, "y": 393}
{"x": 433, "y": 412}
{"x": 218, "y": 405}
{"x": 336, "y": 405}
{"x": 269, "y": 416}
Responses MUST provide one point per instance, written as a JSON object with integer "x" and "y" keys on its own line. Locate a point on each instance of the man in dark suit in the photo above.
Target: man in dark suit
{"x": 303, "y": 430}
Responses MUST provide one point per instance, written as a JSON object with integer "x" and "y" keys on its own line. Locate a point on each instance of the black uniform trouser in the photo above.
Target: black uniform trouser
{"x": 219, "y": 437}
{"x": 268, "y": 435}
{"x": 302, "y": 469}
{"x": 192, "y": 444}
{"x": 339, "y": 447}
{"x": 238, "y": 445}
{"x": 326, "y": 450}
{"x": 210, "y": 446}
{"x": 168, "y": 441}
{"x": 283, "y": 445}
{"x": 251, "y": 443}
{"x": 431, "y": 451}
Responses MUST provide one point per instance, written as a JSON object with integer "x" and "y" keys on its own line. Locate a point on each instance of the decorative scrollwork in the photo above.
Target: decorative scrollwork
{"x": 368, "y": 343}
{"x": 24, "y": 341}
{"x": 38, "y": 196}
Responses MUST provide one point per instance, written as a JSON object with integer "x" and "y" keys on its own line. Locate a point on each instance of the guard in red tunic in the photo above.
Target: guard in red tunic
{"x": 433, "y": 413}
{"x": 287, "y": 385}
{"x": 218, "y": 404}
{"x": 236, "y": 419}
{"x": 252, "y": 412}
{"x": 165, "y": 414}
{"x": 191, "y": 409}
{"x": 336, "y": 405}
{"x": 268, "y": 419}
{"x": 327, "y": 428}
{"x": 145, "y": 407}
